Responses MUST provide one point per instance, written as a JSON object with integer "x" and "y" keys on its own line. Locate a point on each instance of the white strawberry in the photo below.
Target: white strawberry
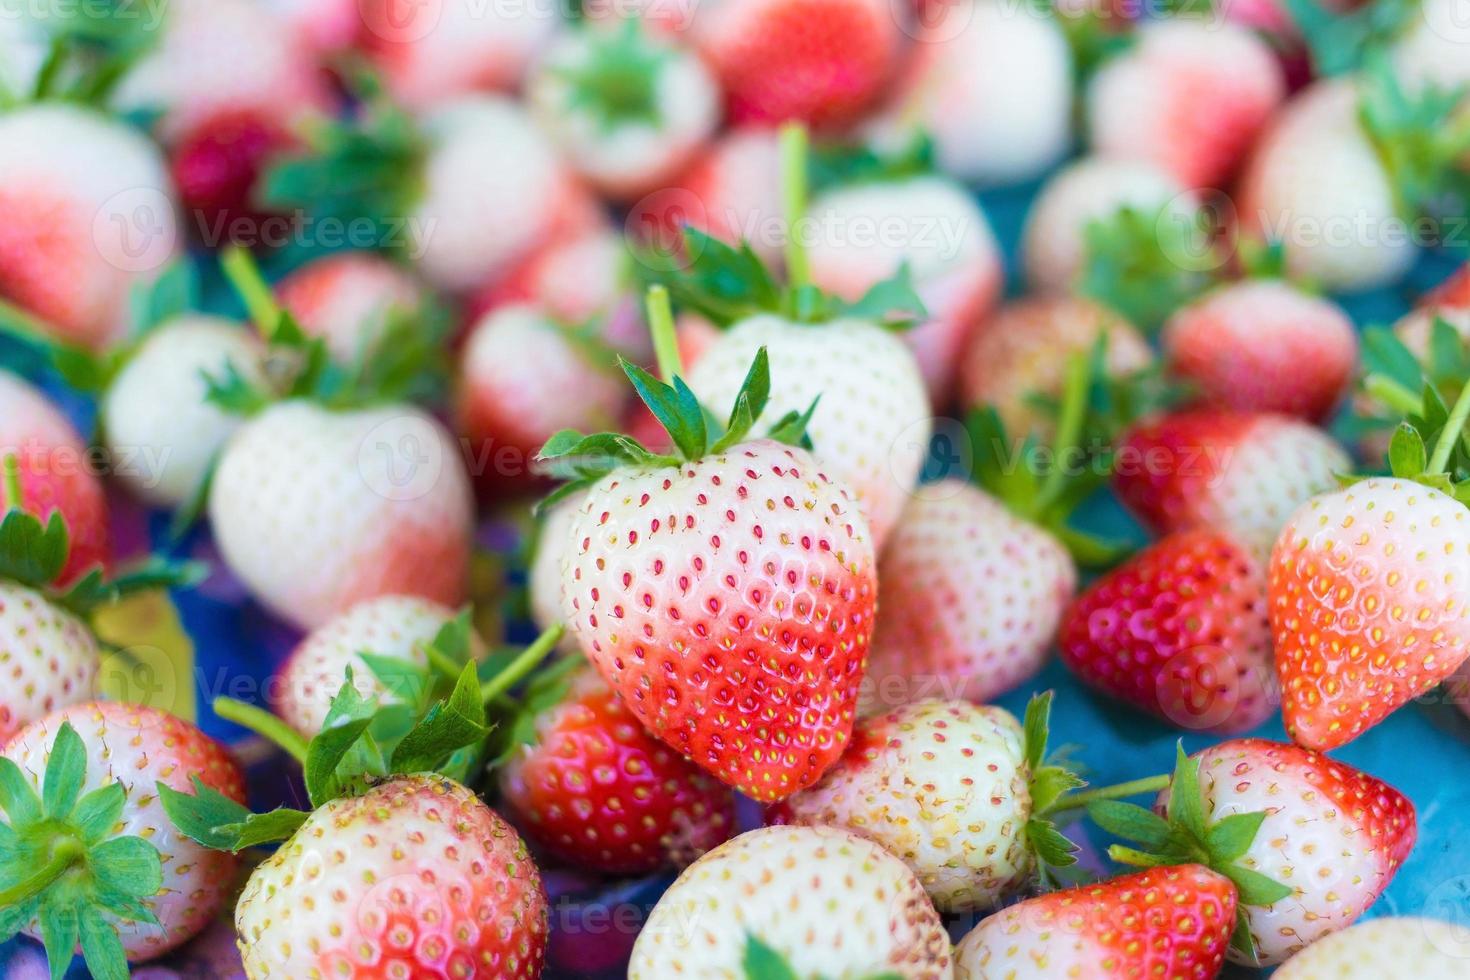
{"x": 992, "y": 83}
{"x": 157, "y": 420}
{"x": 1391, "y": 948}
{"x": 1430, "y": 50}
{"x": 543, "y": 578}
{"x": 828, "y": 902}
{"x": 48, "y": 657}
{"x": 397, "y": 626}
{"x": 864, "y": 233}
{"x": 347, "y": 298}
{"x": 1094, "y": 189}
{"x": 628, "y": 110}
{"x": 78, "y": 236}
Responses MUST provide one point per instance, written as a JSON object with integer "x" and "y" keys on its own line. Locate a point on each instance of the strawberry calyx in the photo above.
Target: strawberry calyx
{"x": 838, "y": 164}
{"x": 1048, "y": 783}
{"x": 1420, "y": 137}
{"x": 1394, "y": 377}
{"x": 618, "y": 80}
{"x": 1339, "y": 41}
{"x": 33, "y": 553}
{"x": 436, "y": 721}
{"x": 761, "y": 962}
{"x": 91, "y": 48}
{"x": 63, "y": 866}
{"x": 1184, "y": 836}
{"x": 406, "y": 360}
{"x": 1145, "y": 263}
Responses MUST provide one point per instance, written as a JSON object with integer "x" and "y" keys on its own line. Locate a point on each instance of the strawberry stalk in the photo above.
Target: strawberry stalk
{"x": 794, "y": 150}
{"x": 1085, "y": 798}
{"x": 65, "y": 853}
{"x": 665, "y": 338}
{"x": 1069, "y": 427}
{"x": 264, "y": 724}
{"x": 240, "y": 268}
{"x": 1453, "y": 431}
{"x": 11, "y": 488}
{"x": 519, "y": 668}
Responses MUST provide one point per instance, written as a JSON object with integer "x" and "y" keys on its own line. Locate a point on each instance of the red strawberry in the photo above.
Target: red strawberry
{"x": 1021, "y": 352}
{"x": 1334, "y": 837}
{"x": 628, "y": 110}
{"x": 1238, "y": 473}
{"x": 1173, "y": 922}
{"x": 1180, "y": 631}
{"x": 588, "y": 784}
{"x": 55, "y": 472}
{"x": 77, "y": 237}
{"x": 1390, "y": 948}
{"x": 1188, "y": 95}
{"x": 818, "y": 61}
{"x": 735, "y": 633}
{"x": 1368, "y": 605}
{"x": 1264, "y": 346}
{"x": 524, "y": 378}
{"x": 993, "y": 85}
{"x": 102, "y": 825}
{"x": 825, "y": 901}
{"x": 347, "y": 299}
{"x": 416, "y": 877}
{"x": 216, "y": 167}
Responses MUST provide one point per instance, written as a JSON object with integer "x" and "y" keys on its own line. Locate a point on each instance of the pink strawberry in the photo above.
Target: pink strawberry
{"x": 416, "y": 877}
{"x": 55, "y": 473}
{"x": 1021, "y": 352}
{"x": 347, "y": 298}
{"x": 993, "y": 85}
{"x": 1173, "y": 922}
{"x": 1188, "y": 96}
{"x": 397, "y": 626}
{"x": 1239, "y": 473}
{"x": 431, "y": 54}
{"x": 1334, "y": 836}
{"x": 934, "y": 226}
{"x": 1390, "y": 948}
{"x": 588, "y": 784}
{"x": 1180, "y": 631}
{"x": 216, "y": 167}
{"x": 1095, "y": 189}
{"x": 817, "y": 61}
{"x": 1264, "y": 346}
{"x": 323, "y": 29}
{"x": 827, "y": 902}
{"x": 524, "y": 378}
{"x": 628, "y": 110}
{"x": 83, "y": 810}
{"x": 77, "y": 237}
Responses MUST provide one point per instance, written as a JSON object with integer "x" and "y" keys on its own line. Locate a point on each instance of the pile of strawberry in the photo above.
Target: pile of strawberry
{"x": 699, "y": 295}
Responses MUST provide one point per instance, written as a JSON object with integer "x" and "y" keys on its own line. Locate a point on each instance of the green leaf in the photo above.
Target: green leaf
{"x": 1254, "y": 887}
{"x": 791, "y": 429}
{"x": 32, "y": 553}
{"x": 722, "y": 283}
{"x": 1418, "y": 135}
{"x": 98, "y": 812}
{"x": 102, "y": 949}
{"x": 65, "y": 770}
{"x": 1407, "y": 457}
{"x": 130, "y": 865}
{"x": 893, "y": 302}
{"x": 59, "y": 935}
{"x": 1230, "y": 837}
{"x": 347, "y": 719}
{"x": 1241, "y": 939}
{"x": 1049, "y": 783}
{"x": 1050, "y": 844}
{"x": 1130, "y": 822}
{"x": 263, "y": 828}
{"x": 17, "y": 797}
{"x": 234, "y": 394}
{"x": 1036, "y": 724}
{"x": 1186, "y": 805}
{"x": 675, "y": 407}
{"x": 761, "y": 962}
{"x": 95, "y": 590}
{"x": 199, "y": 815}
{"x": 448, "y": 727}
{"x": 406, "y": 681}
{"x": 750, "y": 403}
{"x": 17, "y": 917}
{"x": 1145, "y": 264}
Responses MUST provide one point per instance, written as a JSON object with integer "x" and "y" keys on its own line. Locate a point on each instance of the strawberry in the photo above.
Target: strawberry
{"x": 933, "y": 225}
{"x": 1152, "y": 101}
{"x": 1264, "y": 345}
{"x": 1022, "y": 352}
{"x": 216, "y": 168}
{"x": 464, "y": 192}
{"x": 432, "y": 54}
{"x": 54, "y": 474}
{"x": 1310, "y": 843}
{"x": 958, "y": 792}
{"x": 1449, "y": 301}
{"x": 993, "y": 85}
{"x": 741, "y": 646}
{"x": 1342, "y": 174}
{"x": 543, "y": 578}
{"x": 818, "y": 61}
{"x": 524, "y": 378}
{"x": 1173, "y": 922}
{"x": 628, "y": 110}
{"x": 1391, "y": 948}
{"x": 1239, "y": 473}
{"x": 586, "y": 783}
{"x": 89, "y": 855}
{"x": 323, "y": 29}
{"x": 337, "y": 490}
{"x": 1180, "y": 631}
{"x": 731, "y": 192}
{"x": 825, "y": 901}
{"x": 77, "y": 237}
{"x": 397, "y": 626}
{"x": 347, "y": 299}
{"x": 1055, "y": 242}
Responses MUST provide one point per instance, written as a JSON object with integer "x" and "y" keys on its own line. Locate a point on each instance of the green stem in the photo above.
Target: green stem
{"x": 67, "y": 852}
{"x": 1392, "y": 394}
{"x": 11, "y": 487}
{"x": 442, "y": 663}
{"x": 244, "y": 275}
{"x": 665, "y": 337}
{"x": 1136, "y": 858}
{"x": 521, "y": 666}
{"x": 1453, "y": 430}
{"x": 1069, "y": 429}
{"x": 1136, "y": 787}
{"x": 794, "y": 147}
{"x": 264, "y": 724}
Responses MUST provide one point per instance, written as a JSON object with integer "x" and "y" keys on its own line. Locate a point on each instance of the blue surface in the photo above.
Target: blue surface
{"x": 1424, "y": 750}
